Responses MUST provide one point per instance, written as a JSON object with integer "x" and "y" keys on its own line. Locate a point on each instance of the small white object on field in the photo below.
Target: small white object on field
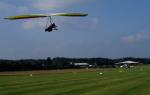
{"x": 100, "y": 73}
{"x": 120, "y": 71}
{"x": 31, "y": 75}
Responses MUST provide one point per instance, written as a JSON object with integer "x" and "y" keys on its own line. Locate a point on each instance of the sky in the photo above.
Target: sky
{"x": 113, "y": 29}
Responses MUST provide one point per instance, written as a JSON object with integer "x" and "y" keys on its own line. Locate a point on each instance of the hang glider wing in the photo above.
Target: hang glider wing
{"x": 25, "y": 16}
{"x": 45, "y": 15}
{"x": 70, "y": 14}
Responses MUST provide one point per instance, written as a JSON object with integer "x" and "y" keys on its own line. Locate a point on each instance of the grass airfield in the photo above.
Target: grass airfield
{"x": 135, "y": 81}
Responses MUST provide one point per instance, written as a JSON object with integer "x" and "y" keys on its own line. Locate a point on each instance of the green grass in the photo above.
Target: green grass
{"x": 134, "y": 81}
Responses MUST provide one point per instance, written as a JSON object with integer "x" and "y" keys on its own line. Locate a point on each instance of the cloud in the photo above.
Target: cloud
{"x": 34, "y": 24}
{"x": 94, "y": 23}
{"x": 9, "y": 8}
{"x": 5, "y": 6}
{"x": 64, "y": 23}
{"x": 141, "y": 36}
{"x": 53, "y": 5}
{"x": 47, "y": 5}
{"x": 22, "y": 9}
{"x": 40, "y": 23}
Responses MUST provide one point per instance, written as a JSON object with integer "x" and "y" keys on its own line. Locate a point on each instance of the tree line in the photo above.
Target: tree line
{"x": 62, "y": 63}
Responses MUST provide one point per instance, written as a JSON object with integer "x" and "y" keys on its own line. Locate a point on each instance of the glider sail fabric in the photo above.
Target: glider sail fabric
{"x": 69, "y": 14}
{"x": 27, "y": 16}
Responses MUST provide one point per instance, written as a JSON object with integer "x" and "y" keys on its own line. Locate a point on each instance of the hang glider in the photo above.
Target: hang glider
{"x": 26, "y": 16}
{"x": 51, "y": 25}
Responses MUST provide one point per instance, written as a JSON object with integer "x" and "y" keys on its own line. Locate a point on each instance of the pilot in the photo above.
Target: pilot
{"x": 51, "y": 27}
